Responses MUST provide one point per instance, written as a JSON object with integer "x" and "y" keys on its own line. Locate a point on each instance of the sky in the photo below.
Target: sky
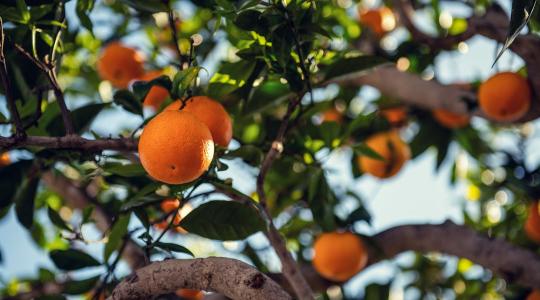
{"x": 417, "y": 194}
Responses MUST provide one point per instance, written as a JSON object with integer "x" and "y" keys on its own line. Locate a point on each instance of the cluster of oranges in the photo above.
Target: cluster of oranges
{"x": 177, "y": 145}
{"x": 121, "y": 65}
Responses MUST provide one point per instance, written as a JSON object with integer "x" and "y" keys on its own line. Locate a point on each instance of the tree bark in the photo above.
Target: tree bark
{"x": 227, "y": 276}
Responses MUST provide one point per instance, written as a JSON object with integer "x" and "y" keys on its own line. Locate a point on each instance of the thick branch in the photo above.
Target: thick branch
{"x": 493, "y": 25}
{"x": 73, "y": 142}
{"x": 513, "y": 263}
{"x": 226, "y": 276}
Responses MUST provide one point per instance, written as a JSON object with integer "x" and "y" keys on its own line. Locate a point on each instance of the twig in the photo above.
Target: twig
{"x": 49, "y": 69}
{"x": 174, "y": 34}
{"x": 16, "y": 118}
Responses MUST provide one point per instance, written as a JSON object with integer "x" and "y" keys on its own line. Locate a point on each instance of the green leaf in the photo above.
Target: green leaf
{"x": 82, "y": 117}
{"x": 24, "y": 201}
{"x": 223, "y": 220}
{"x": 87, "y": 213}
{"x": 267, "y": 95}
{"x": 72, "y": 259}
{"x": 522, "y": 11}
{"x": 57, "y": 220}
{"x": 151, "y": 6}
{"x": 173, "y": 248}
{"x": 359, "y": 214}
{"x": 130, "y": 170}
{"x": 350, "y": 65}
{"x": 128, "y": 101}
{"x": 10, "y": 180}
{"x": 365, "y": 150}
{"x": 321, "y": 200}
{"x": 118, "y": 231}
{"x": 183, "y": 80}
{"x": 248, "y": 19}
{"x": 142, "y": 88}
{"x": 83, "y": 8}
{"x": 24, "y": 11}
{"x": 142, "y": 197}
{"x": 377, "y": 291}
{"x": 248, "y": 153}
{"x": 78, "y": 287}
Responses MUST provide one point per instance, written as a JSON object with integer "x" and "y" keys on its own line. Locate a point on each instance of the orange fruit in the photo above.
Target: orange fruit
{"x": 157, "y": 94}
{"x": 396, "y": 116}
{"x": 120, "y": 64}
{"x": 332, "y": 115}
{"x": 450, "y": 120}
{"x": 379, "y": 20}
{"x": 339, "y": 255}
{"x": 392, "y": 149}
{"x": 211, "y": 113}
{"x": 5, "y": 159}
{"x": 190, "y": 294}
{"x": 534, "y": 295}
{"x": 165, "y": 223}
{"x": 505, "y": 97}
{"x": 532, "y": 224}
{"x": 169, "y": 205}
{"x": 175, "y": 147}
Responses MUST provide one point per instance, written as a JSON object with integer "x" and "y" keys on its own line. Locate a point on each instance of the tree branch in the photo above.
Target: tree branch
{"x": 49, "y": 69}
{"x": 289, "y": 266}
{"x": 73, "y": 142}
{"x": 227, "y": 276}
{"x": 12, "y": 107}
{"x": 512, "y": 263}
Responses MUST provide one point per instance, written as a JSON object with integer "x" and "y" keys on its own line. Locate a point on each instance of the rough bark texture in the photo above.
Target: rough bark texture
{"x": 226, "y": 276}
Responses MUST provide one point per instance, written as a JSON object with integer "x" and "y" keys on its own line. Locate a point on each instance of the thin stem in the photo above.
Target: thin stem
{"x": 16, "y": 118}
{"x": 49, "y": 69}
{"x": 174, "y": 34}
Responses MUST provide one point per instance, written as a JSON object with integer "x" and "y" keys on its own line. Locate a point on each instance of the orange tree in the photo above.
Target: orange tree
{"x": 219, "y": 86}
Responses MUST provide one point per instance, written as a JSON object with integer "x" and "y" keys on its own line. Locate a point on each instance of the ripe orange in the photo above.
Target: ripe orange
{"x": 394, "y": 151}
{"x": 120, "y": 64}
{"x": 396, "y": 116}
{"x": 175, "y": 147}
{"x": 165, "y": 223}
{"x": 534, "y": 295}
{"x": 169, "y": 205}
{"x": 532, "y": 224}
{"x": 157, "y": 94}
{"x": 5, "y": 159}
{"x": 339, "y": 255}
{"x": 332, "y": 115}
{"x": 505, "y": 97}
{"x": 450, "y": 120}
{"x": 190, "y": 294}
{"x": 380, "y": 20}
{"x": 211, "y": 113}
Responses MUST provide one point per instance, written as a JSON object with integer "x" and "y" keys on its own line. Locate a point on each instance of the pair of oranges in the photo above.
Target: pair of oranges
{"x": 121, "y": 65}
{"x": 177, "y": 145}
